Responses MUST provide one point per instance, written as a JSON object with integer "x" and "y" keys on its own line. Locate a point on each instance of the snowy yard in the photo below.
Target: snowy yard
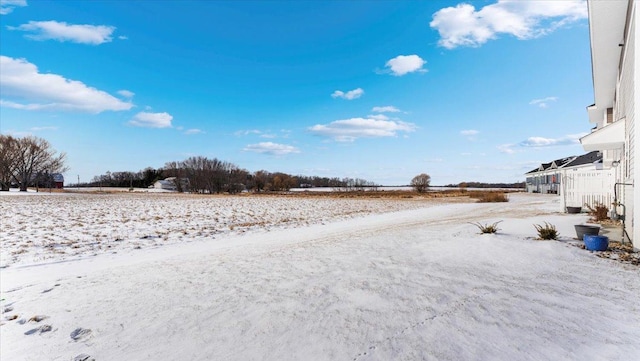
{"x": 163, "y": 277}
{"x": 48, "y": 227}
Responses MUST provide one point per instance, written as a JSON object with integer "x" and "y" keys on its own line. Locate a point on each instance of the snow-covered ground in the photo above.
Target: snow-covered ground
{"x": 339, "y": 280}
{"x": 50, "y": 227}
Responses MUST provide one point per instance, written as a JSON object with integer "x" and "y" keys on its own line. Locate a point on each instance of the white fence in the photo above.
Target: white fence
{"x": 587, "y": 186}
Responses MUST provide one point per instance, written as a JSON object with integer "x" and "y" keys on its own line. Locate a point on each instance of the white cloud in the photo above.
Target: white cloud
{"x": 152, "y": 120}
{"x": 259, "y": 133}
{"x": 349, "y": 130}
{"x": 285, "y": 133}
{"x": 469, "y": 132}
{"x": 21, "y": 79}
{"x": 7, "y": 6}
{"x": 404, "y": 64}
{"x": 122, "y": 37}
{"x": 193, "y": 131}
{"x": 541, "y": 142}
{"x": 544, "y": 102}
{"x": 126, "y": 93}
{"x": 378, "y": 117}
{"x": 463, "y": 25}
{"x": 61, "y": 31}
{"x": 550, "y": 142}
{"x": 506, "y": 148}
{"x": 386, "y": 109}
{"x": 39, "y": 129}
{"x": 271, "y": 148}
{"x": 350, "y": 95}
{"x": 240, "y": 133}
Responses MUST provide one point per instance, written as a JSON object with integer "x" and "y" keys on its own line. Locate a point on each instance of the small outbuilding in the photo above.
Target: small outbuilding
{"x": 171, "y": 184}
{"x": 166, "y": 184}
{"x": 58, "y": 180}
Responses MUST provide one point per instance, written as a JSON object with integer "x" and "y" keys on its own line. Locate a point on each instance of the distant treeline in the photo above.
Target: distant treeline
{"x": 519, "y": 185}
{"x": 205, "y": 175}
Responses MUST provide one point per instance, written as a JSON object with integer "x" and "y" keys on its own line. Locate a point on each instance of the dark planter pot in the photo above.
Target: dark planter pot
{"x": 574, "y": 210}
{"x": 582, "y": 229}
{"x": 596, "y": 243}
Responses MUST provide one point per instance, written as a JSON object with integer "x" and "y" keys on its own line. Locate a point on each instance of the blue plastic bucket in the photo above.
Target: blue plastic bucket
{"x": 596, "y": 243}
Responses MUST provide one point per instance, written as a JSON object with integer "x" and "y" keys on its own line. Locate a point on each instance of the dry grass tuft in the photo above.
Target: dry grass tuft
{"x": 487, "y": 228}
{"x": 598, "y": 213}
{"x": 489, "y": 196}
{"x": 547, "y": 232}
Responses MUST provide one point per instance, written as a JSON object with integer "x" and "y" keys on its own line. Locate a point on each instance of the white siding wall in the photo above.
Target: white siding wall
{"x": 625, "y": 108}
{"x": 625, "y": 95}
{"x": 633, "y": 194}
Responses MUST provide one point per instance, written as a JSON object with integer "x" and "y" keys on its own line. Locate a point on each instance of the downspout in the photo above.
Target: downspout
{"x": 624, "y": 208}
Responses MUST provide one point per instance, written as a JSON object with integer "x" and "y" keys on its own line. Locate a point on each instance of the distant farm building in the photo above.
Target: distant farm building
{"x": 166, "y": 184}
{"x": 170, "y": 184}
{"x": 58, "y": 180}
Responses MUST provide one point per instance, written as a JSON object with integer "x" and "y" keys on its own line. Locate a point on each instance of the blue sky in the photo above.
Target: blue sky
{"x": 380, "y": 90}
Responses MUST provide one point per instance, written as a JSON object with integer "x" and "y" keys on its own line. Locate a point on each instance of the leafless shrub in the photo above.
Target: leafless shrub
{"x": 599, "y": 212}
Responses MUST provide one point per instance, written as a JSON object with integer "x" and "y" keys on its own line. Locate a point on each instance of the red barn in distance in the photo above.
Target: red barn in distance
{"x": 58, "y": 180}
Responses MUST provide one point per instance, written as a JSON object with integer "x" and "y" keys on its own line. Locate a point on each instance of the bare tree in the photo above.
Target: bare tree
{"x": 421, "y": 182}
{"x": 36, "y": 156}
{"x": 237, "y": 179}
{"x": 260, "y": 180}
{"x": 281, "y": 182}
{"x": 8, "y": 160}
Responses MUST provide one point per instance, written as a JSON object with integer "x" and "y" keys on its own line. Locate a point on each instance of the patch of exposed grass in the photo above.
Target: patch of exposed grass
{"x": 489, "y": 196}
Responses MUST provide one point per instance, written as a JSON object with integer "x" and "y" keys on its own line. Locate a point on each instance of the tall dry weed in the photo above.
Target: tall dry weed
{"x": 489, "y": 196}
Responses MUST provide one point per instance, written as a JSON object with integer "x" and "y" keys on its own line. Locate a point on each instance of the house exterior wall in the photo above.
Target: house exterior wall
{"x": 626, "y": 95}
{"x": 633, "y": 194}
{"x": 547, "y": 181}
{"x": 613, "y": 36}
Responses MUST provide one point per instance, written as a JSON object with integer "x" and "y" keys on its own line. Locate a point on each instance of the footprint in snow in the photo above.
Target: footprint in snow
{"x": 38, "y": 318}
{"x": 47, "y": 290}
{"x": 41, "y": 329}
{"x": 80, "y": 334}
{"x": 83, "y": 357}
